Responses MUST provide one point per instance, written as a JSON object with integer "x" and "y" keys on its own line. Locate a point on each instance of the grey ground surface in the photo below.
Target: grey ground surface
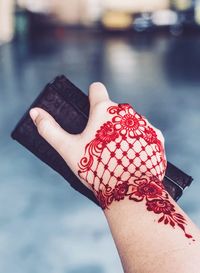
{"x": 46, "y": 227}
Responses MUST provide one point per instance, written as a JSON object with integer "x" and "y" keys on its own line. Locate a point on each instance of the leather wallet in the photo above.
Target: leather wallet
{"x": 70, "y": 108}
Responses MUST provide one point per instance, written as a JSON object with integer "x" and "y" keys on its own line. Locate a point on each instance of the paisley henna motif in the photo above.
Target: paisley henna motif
{"x": 126, "y": 159}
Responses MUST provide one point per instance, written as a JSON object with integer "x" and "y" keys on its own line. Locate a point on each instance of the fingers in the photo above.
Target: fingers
{"x": 99, "y": 101}
{"x": 97, "y": 93}
{"x": 50, "y": 130}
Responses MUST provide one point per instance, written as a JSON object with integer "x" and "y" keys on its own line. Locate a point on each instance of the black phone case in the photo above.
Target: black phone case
{"x": 70, "y": 107}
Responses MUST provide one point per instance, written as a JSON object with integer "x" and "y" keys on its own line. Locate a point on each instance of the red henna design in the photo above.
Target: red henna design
{"x": 149, "y": 187}
{"x": 106, "y": 133}
{"x": 120, "y": 191}
{"x": 105, "y": 197}
{"x": 160, "y": 206}
{"x": 127, "y": 121}
{"x": 126, "y": 159}
{"x": 169, "y": 216}
{"x": 150, "y": 135}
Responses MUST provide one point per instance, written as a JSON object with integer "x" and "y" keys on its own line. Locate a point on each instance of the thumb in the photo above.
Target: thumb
{"x": 50, "y": 130}
{"x": 97, "y": 93}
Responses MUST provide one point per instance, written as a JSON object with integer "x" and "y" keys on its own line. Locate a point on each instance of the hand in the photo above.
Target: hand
{"x": 119, "y": 155}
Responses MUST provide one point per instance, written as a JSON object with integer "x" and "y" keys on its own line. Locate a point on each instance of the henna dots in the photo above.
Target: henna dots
{"x": 126, "y": 159}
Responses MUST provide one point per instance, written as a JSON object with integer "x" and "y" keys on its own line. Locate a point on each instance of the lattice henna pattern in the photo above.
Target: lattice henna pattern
{"x": 126, "y": 159}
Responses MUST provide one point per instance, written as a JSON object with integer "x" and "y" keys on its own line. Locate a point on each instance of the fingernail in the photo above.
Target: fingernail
{"x": 33, "y": 113}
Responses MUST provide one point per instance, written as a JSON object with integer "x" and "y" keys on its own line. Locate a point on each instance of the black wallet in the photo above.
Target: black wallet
{"x": 70, "y": 108}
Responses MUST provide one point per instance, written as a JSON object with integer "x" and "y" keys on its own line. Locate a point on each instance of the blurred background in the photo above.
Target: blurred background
{"x": 148, "y": 54}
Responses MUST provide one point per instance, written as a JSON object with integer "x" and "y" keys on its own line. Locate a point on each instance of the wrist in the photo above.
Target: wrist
{"x": 147, "y": 187}
{"x": 149, "y": 192}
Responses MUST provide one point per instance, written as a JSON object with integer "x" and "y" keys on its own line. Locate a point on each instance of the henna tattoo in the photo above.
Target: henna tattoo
{"x": 126, "y": 159}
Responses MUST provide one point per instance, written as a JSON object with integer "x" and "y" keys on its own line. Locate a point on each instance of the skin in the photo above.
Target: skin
{"x": 144, "y": 243}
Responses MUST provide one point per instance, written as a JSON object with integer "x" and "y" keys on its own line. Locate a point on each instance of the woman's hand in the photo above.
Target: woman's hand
{"x": 124, "y": 142}
{"x": 119, "y": 155}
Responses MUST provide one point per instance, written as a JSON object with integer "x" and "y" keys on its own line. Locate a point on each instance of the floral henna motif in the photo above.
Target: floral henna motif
{"x": 169, "y": 214}
{"x": 106, "y": 133}
{"x": 127, "y": 121}
{"x": 146, "y": 188}
{"x": 126, "y": 159}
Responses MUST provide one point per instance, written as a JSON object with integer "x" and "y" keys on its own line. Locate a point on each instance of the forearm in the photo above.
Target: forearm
{"x": 147, "y": 246}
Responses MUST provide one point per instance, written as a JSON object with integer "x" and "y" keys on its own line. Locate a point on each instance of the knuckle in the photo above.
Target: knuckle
{"x": 96, "y": 85}
{"x": 102, "y": 104}
{"x": 43, "y": 126}
{"x": 101, "y": 107}
{"x": 160, "y": 135}
{"x": 158, "y": 132}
